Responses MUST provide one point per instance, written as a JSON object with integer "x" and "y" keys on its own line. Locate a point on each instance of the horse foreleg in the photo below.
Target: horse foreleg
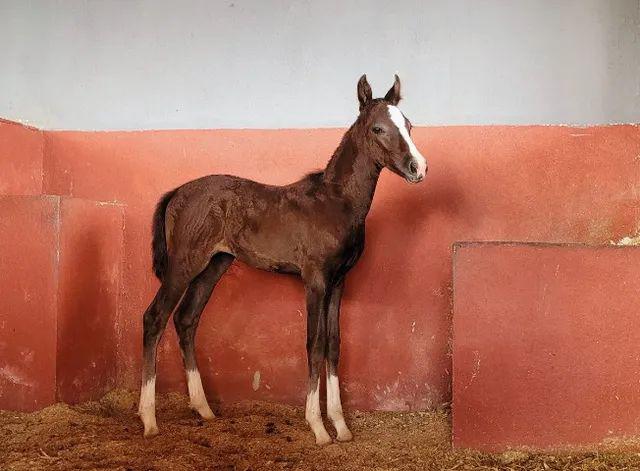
{"x": 334, "y": 405}
{"x": 316, "y": 289}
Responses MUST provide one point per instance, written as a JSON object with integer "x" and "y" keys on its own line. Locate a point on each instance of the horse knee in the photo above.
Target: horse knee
{"x": 182, "y": 322}
{"x": 151, "y": 328}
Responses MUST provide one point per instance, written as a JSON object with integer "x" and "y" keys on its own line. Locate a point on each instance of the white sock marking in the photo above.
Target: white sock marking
{"x": 398, "y": 119}
{"x": 147, "y": 407}
{"x": 334, "y": 408}
{"x": 197, "y": 397}
{"x": 314, "y": 417}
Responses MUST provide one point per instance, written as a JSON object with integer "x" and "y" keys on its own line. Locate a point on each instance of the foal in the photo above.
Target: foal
{"x": 313, "y": 228}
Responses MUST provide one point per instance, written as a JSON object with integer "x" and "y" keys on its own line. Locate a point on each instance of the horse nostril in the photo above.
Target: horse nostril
{"x": 413, "y": 167}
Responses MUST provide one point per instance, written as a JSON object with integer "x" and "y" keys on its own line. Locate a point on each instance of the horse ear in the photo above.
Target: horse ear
{"x": 364, "y": 92}
{"x": 393, "y": 95}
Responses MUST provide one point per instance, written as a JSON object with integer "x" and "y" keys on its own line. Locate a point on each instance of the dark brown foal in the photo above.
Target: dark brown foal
{"x": 313, "y": 228}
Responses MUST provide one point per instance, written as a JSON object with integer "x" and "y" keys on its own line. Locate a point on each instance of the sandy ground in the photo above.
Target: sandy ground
{"x": 251, "y": 436}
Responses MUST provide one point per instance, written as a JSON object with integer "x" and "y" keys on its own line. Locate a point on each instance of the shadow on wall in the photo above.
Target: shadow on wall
{"x": 87, "y": 300}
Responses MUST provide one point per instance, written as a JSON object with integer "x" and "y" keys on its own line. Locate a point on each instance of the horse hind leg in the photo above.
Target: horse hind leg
{"x": 186, "y": 320}
{"x": 154, "y": 322}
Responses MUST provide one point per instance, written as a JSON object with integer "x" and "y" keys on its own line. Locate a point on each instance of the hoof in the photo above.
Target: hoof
{"x": 205, "y": 412}
{"x": 323, "y": 440}
{"x": 207, "y": 415}
{"x": 344, "y": 436}
{"x": 317, "y": 427}
{"x": 322, "y": 437}
{"x": 151, "y": 432}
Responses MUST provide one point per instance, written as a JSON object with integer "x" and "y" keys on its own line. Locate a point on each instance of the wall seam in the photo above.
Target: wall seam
{"x": 56, "y": 279}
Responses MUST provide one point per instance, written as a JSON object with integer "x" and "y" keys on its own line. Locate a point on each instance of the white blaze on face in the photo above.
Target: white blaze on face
{"x": 398, "y": 119}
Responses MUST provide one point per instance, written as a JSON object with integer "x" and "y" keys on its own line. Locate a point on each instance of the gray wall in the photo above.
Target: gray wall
{"x": 89, "y": 64}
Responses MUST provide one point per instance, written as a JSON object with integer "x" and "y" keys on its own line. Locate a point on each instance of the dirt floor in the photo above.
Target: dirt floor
{"x": 251, "y": 436}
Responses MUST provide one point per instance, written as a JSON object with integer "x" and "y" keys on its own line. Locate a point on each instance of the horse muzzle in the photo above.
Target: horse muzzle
{"x": 416, "y": 170}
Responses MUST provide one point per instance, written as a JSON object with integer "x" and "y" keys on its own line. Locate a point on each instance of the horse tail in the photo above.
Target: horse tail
{"x": 159, "y": 242}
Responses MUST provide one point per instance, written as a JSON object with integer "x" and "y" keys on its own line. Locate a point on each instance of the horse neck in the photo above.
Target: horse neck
{"x": 352, "y": 174}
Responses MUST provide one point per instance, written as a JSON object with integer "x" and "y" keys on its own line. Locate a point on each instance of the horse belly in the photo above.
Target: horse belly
{"x": 268, "y": 251}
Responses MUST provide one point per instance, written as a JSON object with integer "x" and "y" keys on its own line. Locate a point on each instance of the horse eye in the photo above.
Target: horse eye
{"x": 377, "y": 130}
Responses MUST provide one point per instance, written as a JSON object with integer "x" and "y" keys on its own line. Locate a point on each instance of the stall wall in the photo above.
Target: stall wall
{"x": 60, "y": 271}
{"x": 28, "y": 321}
{"x": 21, "y": 150}
{"x": 545, "y": 350}
{"x": 538, "y": 183}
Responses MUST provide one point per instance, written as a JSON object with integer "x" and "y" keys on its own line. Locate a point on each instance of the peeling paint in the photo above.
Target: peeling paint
{"x": 628, "y": 241}
{"x": 255, "y": 384}
{"x": 14, "y": 376}
{"x": 27, "y": 356}
{"x": 476, "y": 368}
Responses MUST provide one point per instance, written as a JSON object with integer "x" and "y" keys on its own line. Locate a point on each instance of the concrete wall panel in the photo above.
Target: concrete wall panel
{"x": 28, "y": 273}
{"x": 545, "y": 345}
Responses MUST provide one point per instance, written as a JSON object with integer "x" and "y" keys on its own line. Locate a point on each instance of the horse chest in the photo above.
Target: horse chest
{"x": 351, "y": 250}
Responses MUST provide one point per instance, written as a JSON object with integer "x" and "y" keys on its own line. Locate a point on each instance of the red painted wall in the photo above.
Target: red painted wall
{"x": 60, "y": 272}
{"x": 60, "y": 269}
{"x": 536, "y": 183}
{"x": 539, "y": 183}
{"x": 546, "y": 345}
{"x": 89, "y": 280}
{"x": 28, "y": 254}
{"x": 21, "y": 150}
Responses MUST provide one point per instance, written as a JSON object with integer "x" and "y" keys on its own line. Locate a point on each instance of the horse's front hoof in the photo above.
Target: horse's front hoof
{"x": 151, "y": 431}
{"x": 344, "y": 435}
{"x": 323, "y": 439}
{"x": 205, "y": 412}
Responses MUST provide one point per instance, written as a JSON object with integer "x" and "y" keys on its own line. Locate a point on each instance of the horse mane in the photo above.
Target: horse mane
{"x": 316, "y": 177}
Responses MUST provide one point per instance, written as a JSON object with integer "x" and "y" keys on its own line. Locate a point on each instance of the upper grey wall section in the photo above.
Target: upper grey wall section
{"x": 140, "y": 64}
